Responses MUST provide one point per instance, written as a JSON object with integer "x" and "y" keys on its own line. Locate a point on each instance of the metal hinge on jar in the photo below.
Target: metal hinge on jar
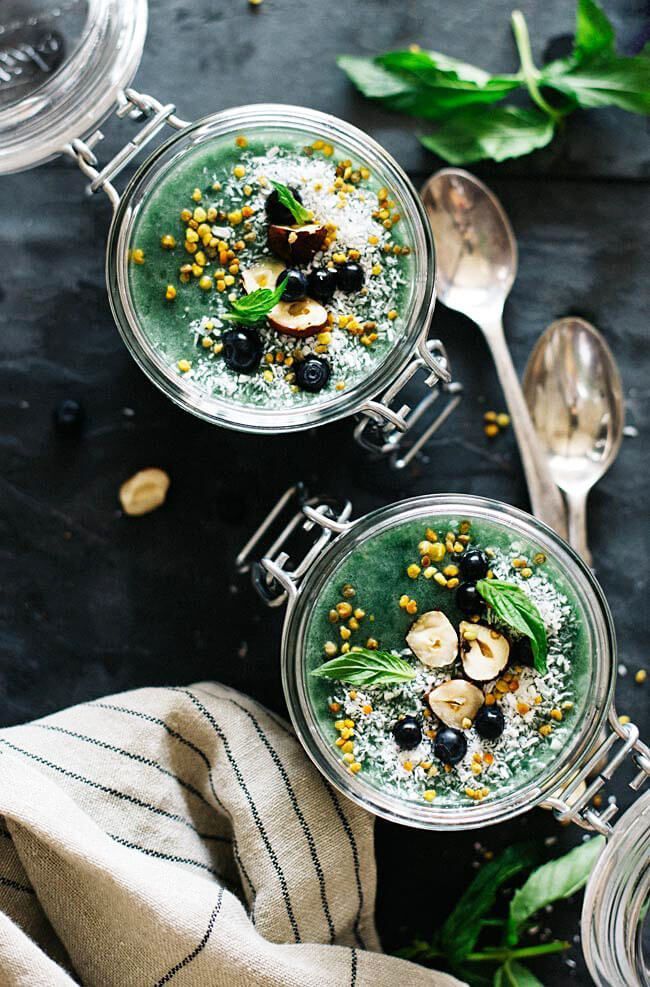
{"x": 137, "y": 106}
{"x": 575, "y": 802}
{"x": 382, "y": 427}
{"x": 276, "y": 576}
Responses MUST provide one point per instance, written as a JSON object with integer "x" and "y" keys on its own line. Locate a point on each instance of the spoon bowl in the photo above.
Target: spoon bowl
{"x": 476, "y": 265}
{"x": 476, "y": 250}
{"x": 574, "y": 392}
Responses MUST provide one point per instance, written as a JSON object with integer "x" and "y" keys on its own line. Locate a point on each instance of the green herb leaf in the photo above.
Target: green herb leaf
{"x": 514, "y": 974}
{"x": 557, "y": 879}
{"x": 252, "y": 308}
{"x": 594, "y": 32}
{"x": 461, "y": 930}
{"x": 372, "y": 80}
{"x": 366, "y": 667}
{"x": 289, "y": 201}
{"x": 424, "y": 84}
{"x": 596, "y": 82}
{"x": 513, "y": 608}
{"x": 498, "y": 133}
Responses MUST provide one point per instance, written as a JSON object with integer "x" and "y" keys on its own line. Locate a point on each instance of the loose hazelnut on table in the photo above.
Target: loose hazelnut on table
{"x": 144, "y": 492}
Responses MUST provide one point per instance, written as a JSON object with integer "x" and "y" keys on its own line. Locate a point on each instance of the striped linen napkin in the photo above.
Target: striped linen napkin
{"x": 181, "y": 836}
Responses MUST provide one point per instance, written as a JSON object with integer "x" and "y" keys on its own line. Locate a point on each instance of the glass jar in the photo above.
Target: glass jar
{"x": 570, "y": 777}
{"x": 57, "y": 107}
{"x": 615, "y": 927}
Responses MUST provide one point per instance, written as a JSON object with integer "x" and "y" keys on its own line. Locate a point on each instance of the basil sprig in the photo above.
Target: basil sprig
{"x": 366, "y": 668}
{"x": 252, "y": 308}
{"x": 475, "y": 940}
{"x": 461, "y": 97}
{"x": 513, "y": 608}
{"x": 289, "y": 201}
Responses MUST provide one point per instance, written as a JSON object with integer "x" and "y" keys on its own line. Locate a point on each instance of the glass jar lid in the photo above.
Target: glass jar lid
{"x": 615, "y": 926}
{"x": 61, "y": 68}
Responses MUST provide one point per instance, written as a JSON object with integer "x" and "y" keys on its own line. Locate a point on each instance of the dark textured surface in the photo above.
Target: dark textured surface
{"x": 94, "y": 602}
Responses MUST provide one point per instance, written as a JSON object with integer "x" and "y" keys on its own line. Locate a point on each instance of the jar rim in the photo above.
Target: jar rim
{"x": 251, "y": 418}
{"x": 74, "y": 100}
{"x": 480, "y": 813}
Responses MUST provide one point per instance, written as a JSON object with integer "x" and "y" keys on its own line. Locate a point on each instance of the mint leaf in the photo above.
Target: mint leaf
{"x": 252, "y": 308}
{"x": 499, "y": 133}
{"x": 287, "y": 199}
{"x": 366, "y": 667}
{"x": 514, "y": 974}
{"x": 557, "y": 879}
{"x": 461, "y": 929}
{"x": 603, "y": 81}
{"x": 594, "y": 32}
{"x": 513, "y": 608}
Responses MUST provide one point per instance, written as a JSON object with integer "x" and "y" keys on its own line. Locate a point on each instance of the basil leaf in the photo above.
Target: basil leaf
{"x": 594, "y": 32}
{"x": 513, "y": 974}
{"x": 252, "y": 308}
{"x": 446, "y": 82}
{"x": 512, "y": 607}
{"x": 424, "y": 84}
{"x": 366, "y": 667}
{"x": 289, "y": 201}
{"x": 498, "y": 133}
{"x": 462, "y": 928}
{"x": 371, "y": 79}
{"x": 557, "y": 879}
{"x": 603, "y": 81}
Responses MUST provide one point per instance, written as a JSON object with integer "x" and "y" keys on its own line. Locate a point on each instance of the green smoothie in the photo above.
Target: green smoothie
{"x": 208, "y": 234}
{"x": 477, "y": 720}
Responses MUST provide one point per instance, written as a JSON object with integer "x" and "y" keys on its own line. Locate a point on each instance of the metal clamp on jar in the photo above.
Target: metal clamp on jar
{"x": 70, "y": 70}
{"x": 586, "y": 761}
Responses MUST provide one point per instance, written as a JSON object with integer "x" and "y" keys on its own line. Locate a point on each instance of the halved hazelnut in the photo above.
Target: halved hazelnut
{"x": 264, "y": 274}
{"x": 456, "y": 701}
{"x": 297, "y": 244}
{"x": 433, "y": 640}
{"x": 484, "y": 651}
{"x": 300, "y": 319}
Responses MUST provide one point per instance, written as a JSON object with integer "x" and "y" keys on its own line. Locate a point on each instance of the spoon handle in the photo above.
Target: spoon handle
{"x": 545, "y": 497}
{"x": 577, "y": 510}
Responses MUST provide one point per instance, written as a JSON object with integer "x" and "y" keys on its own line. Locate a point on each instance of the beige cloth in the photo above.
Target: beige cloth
{"x": 182, "y": 836}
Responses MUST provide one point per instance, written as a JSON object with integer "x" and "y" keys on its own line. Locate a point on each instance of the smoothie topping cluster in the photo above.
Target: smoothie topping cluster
{"x": 465, "y": 701}
{"x": 300, "y": 267}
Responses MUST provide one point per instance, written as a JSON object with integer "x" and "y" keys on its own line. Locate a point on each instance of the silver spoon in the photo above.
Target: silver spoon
{"x": 476, "y": 257}
{"x": 574, "y": 392}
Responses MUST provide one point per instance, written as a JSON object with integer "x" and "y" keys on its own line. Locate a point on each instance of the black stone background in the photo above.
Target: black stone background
{"x": 94, "y": 602}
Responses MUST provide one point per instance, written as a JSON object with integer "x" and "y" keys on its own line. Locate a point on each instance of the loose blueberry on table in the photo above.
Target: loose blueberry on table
{"x": 465, "y": 708}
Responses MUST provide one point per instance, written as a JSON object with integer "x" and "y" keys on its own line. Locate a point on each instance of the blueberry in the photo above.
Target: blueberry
{"x": 312, "y": 374}
{"x": 468, "y": 599}
{"x": 521, "y": 651}
{"x": 473, "y": 565}
{"x": 450, "y": 746}
{"x": 242, "y": 350}
{"x": 322, "y": 283}
{"x": 69, "y": 417}
{"x": 350, "y": 276}
{"x": 296, "y": 285}
{"x": 489, "y": 722}
{"x": 407, "y": 733}
{"x": 278, "y": 214}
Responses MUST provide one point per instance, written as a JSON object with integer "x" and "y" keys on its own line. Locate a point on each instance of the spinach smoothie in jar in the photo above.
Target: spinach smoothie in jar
{"x": 269, "y": 269}
{"x": 447, "y": 660}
